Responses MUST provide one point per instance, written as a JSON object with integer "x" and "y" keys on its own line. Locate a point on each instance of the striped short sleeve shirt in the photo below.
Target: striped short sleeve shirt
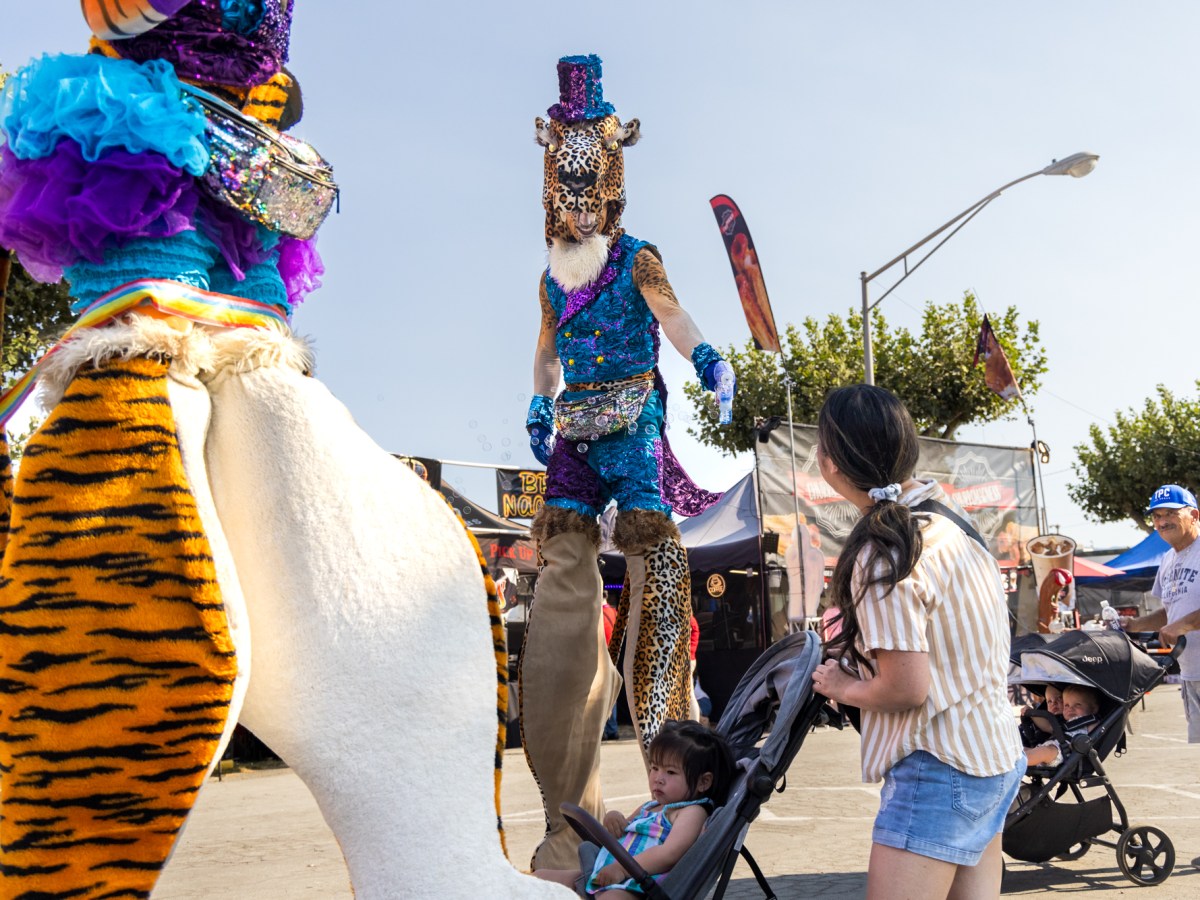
{"x": 952, "y": 606}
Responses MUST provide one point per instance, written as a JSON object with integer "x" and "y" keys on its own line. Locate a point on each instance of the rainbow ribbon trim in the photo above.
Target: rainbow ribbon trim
{"x": 171, "y": 297}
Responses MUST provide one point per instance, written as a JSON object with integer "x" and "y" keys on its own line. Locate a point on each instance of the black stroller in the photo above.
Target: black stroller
{"x": 774, "y": 695}
{"x": 1053, "y": 817}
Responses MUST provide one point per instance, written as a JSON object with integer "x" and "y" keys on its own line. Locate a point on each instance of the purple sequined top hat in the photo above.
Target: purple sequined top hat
{"x": 580, "y": 94}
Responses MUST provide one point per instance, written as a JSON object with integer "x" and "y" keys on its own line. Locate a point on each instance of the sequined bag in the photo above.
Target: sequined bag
{"x": 590, "y": 418}
{"x": 268, "y": 176}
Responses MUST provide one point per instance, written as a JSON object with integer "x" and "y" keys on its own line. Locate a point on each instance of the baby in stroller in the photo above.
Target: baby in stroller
{"x": 1080, "y": 707}
{"x": 1068, "y": 804}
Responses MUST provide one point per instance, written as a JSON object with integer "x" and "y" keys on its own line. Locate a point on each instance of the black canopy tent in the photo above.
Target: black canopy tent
{"x": 505, "y": 544}
{"x": 723, "y": 537}
{"x": 725, "y": 559}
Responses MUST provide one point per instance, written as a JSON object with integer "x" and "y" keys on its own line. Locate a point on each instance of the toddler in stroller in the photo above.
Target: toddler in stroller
{"x": 774, "y": 698}
{"x": 1053, "y": 817}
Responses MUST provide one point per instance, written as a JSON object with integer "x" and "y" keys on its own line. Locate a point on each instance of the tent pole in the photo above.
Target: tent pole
{"x": 787, "y": 387}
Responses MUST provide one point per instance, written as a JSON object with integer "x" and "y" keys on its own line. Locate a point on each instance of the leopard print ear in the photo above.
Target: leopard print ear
{"x": 629, "y": 133}
{"x": 543, "y": 134}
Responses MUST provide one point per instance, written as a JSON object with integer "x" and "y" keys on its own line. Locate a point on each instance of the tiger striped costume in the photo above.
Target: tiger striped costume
{"x": 116, "y": 664}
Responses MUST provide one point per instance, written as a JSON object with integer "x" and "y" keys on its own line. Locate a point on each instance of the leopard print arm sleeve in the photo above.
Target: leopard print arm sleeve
{"x": 677, "y": 325}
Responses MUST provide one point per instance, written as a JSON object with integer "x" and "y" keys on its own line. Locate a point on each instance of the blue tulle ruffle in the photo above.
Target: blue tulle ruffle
{"x": 102, "y": 103}
{"x": 189, "y": 258}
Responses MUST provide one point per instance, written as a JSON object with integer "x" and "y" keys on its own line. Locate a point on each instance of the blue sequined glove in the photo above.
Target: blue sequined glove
{"x": 704, "y": 357}
{"x": 710, "y": 367}
{"x": 540, "y": 425}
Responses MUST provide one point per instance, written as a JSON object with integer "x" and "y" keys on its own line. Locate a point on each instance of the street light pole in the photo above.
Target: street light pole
{"x": 1076, "y": 165}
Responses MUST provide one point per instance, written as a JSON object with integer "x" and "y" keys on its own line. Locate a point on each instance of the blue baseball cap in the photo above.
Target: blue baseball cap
{"x": 1172, "y": 496}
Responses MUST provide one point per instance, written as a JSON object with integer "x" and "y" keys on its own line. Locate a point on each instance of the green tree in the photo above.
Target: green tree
{"x": 34, "y": 314}
{"x": 931, "y": 371}
{"x": 1123, "y": 464}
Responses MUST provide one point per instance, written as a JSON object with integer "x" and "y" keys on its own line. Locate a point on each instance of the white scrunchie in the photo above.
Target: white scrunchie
{"x": 890, "y": 493}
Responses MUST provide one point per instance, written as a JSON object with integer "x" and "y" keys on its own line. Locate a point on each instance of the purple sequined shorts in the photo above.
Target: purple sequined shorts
{"x": 628, "y": 467}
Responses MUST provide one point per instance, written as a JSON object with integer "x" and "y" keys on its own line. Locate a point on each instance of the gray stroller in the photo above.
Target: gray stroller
{"x": 774, "y": 698}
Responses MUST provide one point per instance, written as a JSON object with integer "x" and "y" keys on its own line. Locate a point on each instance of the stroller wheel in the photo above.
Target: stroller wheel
{"x": 1076, "y": 851}
{"x": 1146, "y": 855}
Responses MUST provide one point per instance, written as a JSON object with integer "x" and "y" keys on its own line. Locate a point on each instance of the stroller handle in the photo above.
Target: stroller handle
{"x": 1179, "y": 645}
{"x": 589, "y": 829}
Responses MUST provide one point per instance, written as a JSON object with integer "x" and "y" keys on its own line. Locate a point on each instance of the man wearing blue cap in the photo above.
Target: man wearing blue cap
{"x": 1176, "y": 519}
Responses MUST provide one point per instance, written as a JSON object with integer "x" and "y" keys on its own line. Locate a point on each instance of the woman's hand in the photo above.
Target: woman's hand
{"x": 831, "y": 680}
{"x": 611, "y": 874}
{"x": 615, "y": 823}
{"x": 901, "y": 682}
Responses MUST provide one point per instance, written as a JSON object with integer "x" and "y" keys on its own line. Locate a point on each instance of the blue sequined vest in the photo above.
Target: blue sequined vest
{"x": 614, "y": 335}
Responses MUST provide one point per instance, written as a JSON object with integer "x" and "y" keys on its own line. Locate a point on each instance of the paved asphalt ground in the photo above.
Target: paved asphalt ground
{"x": 259, "y": 835}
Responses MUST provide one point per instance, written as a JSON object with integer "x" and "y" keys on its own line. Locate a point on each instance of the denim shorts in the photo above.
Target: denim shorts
{"x": 931, "y": 808}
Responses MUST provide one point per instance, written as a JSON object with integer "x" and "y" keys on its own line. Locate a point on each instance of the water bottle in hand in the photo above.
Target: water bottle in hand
{"x": 1109, "y": 616}
{"x": 724, "y": 379}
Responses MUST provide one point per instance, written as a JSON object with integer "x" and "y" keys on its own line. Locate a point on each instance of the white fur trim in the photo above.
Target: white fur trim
{"x": 188, "y": 349}
{"x": 576, "y": 263}
{"x": 242, "y": 350}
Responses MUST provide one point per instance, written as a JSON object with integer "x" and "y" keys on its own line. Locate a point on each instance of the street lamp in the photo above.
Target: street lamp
{"x": 1076, "y": 165}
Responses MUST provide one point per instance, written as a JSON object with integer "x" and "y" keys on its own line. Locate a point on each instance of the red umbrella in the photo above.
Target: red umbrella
{"x": 1086, "y": 568}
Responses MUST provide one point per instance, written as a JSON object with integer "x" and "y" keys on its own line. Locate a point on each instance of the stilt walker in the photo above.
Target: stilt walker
{"x": 604, "y": 299}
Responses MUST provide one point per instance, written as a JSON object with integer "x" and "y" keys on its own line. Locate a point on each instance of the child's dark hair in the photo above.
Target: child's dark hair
{"x": 697, "y": 750}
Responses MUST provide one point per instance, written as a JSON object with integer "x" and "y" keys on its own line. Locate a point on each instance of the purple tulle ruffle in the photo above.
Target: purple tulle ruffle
{"x": 300, "y": 267}
{"x": 59, "y": 209}
{"x": 201, "y": 50}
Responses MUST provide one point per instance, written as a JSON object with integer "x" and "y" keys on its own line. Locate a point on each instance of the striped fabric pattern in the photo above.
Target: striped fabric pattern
{"x": 952, "y": 607}
{"x": 116, "y": 19}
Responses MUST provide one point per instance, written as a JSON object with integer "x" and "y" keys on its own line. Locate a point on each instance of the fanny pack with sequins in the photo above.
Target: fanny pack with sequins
{"x": 593, "y": 417}
{"x": 270, "y": 177}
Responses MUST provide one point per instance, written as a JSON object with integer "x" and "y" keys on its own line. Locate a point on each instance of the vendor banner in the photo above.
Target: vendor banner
{"x": 747, "y": 273}
{"x": 994, "y": 485}
{"x": 520, "y": 493}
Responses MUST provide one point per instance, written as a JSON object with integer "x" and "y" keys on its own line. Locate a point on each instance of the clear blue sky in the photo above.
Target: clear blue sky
{"x": 846, "y": 131}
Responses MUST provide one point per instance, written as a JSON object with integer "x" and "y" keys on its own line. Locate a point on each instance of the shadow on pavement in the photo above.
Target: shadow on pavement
{"x": 825, "y": 884}
{"x": 1098, "y": 871}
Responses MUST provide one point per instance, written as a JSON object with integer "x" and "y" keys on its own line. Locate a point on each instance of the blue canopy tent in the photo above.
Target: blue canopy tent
{"x": 1139, "y": 565}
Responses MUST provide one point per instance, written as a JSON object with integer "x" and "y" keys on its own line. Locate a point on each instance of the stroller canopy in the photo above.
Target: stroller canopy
{"x": 1026, "y": 642}
{"x": 1022, "y": 644}
{"x": 1105, "y": 660}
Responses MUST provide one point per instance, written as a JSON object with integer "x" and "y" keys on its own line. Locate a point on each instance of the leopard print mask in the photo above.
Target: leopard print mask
{"x": 584, "y": 188}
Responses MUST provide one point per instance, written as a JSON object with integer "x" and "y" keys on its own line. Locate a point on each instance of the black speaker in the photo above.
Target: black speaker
{"x": 770, "y": 542}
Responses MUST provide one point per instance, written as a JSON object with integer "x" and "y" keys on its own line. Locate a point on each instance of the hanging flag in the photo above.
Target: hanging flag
{"x": 746, "y": 273}
{"x": 997, "y": 373}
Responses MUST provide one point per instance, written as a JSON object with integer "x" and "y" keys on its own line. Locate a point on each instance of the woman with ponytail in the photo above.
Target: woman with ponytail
{"x": 923, "y": 653}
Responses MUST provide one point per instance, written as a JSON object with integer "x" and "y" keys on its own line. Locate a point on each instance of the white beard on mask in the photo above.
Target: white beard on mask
{"x": 574, "y": 264}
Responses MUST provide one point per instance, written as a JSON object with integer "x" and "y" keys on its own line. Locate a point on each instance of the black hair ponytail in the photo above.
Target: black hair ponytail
{"x": 869, "y": 436}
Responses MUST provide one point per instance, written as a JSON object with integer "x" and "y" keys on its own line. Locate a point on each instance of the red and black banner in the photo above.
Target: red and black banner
{"x": 747, "y": 273}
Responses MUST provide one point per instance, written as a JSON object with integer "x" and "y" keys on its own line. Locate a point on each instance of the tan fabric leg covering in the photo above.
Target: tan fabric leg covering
{"x": 660, "y": 686}
{"x": 567, "y": 686}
